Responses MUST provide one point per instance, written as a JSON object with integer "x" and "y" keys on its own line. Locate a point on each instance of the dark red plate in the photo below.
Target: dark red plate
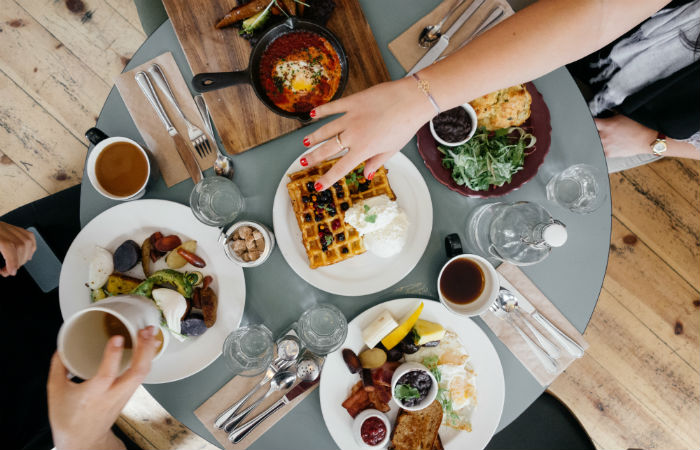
{"x": 538, "y": 124}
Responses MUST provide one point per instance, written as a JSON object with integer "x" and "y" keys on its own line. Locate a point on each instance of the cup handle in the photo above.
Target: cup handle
{"x": 95, "y": 135}
{"x": 453, "y": 245}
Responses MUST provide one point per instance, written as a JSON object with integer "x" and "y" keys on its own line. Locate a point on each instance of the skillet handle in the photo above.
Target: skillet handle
{"x": 205, "y": 82}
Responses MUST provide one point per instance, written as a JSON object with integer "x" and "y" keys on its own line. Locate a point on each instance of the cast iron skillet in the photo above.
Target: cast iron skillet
{"x": 205, "y": 82}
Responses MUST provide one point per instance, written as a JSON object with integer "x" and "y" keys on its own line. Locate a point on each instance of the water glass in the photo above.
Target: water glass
{"x": 322, "y": 328}
{"x": 216, "y": 201}
{"x": 248, "y": 350}
{"x": 579, "y": 188}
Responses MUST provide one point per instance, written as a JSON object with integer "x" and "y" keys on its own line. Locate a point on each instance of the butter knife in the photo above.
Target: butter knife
{"x": 183, "y": 149}
{"x": 238, "y": 434}
{"x": 565, "y": 341}
{"x": 434, "y": 53}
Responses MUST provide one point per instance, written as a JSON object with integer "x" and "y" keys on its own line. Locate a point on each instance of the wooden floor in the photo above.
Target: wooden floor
{"x": 637, "y": 386}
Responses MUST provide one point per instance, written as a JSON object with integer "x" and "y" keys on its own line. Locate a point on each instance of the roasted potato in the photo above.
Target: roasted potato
{"x": 210, "y": 304}
{"x": 372, "y": 358}
{"x": 174, "y": 260}
{"x": 118, "y": 284}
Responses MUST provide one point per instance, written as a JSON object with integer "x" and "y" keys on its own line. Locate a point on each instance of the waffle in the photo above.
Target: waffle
{"x": 321, "y": 215}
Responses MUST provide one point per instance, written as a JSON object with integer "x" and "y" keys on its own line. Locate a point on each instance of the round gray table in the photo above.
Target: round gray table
{"x": 571, "y": 277}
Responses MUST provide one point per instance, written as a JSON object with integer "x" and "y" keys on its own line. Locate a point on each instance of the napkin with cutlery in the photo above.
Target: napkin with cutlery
{"x": 405, "y": 47}
{"x": 513, "y": 279}
{"x": 235, "y": 389}
{"x": 157, "y": 140}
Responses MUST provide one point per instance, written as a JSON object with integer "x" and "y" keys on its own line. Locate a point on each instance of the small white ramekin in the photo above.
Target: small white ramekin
{"x": 472, "y": 117}
{"x": 268, "y": 236}
{"x": 410, "y": 367}
{"x": 357, "y": 427}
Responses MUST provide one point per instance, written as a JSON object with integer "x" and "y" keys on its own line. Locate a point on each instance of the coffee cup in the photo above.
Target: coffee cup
{"x": 83, "y": 336}
{"x": 467, "y": 284}
{"x": 117, "y": 167}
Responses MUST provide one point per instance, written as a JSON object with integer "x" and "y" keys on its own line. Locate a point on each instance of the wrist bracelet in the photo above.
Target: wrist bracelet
{"x": 425, "y": 87}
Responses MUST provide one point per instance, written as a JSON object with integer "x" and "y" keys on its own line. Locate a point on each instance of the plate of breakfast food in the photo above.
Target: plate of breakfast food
{"x": 358, "y": 236}
{"x": 158, "y": 250}
{"x": 410, "y": 375}
{"x": 509, "y": 143}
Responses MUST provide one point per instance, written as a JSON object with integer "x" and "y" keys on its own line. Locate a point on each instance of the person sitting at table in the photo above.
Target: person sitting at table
{"x": 377, "y": 122}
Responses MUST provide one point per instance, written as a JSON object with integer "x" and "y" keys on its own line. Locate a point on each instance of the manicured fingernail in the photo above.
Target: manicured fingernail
{"x": 370, "y": 176}
{"x": 304, "y": 162}
{"x": 318, "y": 187}
{"x": 313, "y": 113}
{"x": 307, "y": 142}
{"x": 118, "y": 341}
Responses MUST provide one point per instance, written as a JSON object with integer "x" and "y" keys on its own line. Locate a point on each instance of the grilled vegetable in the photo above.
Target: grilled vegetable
{"x": 191, "y": 258}
{"x": 402, "y": 330}
{"x": 167, "y": 243}
{"x": 210, "y": 304}
{"x": 98, "y": 294}
{"x": 193, "y": 325}
{"x": 118, "y": 284}
{"x": 194, "y": 278}
{"x": 243, "y": 12}
{"x": 146, "y": 256}
{"x": 126, "y": 256}
{"x": 174, "y": 260}
{"x": 367, "y": 380}
{"x": 351, "y": 360}
{"x": 167, "y": 277}
{"x": 372, "y": 358}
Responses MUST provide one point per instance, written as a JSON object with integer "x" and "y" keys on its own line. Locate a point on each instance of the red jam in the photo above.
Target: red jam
{"x": 373, "y": 431}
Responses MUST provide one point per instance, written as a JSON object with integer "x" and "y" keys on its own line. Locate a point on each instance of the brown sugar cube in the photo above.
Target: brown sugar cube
{"x": 235, "y": 235}
{"x": 245, "y": 257}
{"x": 257, "y": 235}
{"x": 260, "y": 244}
{"x": 244, "y": 232}
{"x": 250, "y": 242}
{"x": 238, "y": 246}
{"x": 254, "y": 255}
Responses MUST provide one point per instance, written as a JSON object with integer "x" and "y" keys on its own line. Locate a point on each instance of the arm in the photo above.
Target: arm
{"x": 379, "y": 121}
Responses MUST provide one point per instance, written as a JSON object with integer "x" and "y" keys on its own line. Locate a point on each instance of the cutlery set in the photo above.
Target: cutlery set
{"x": 437, "y": 42}
{"x": 514, "y": 311}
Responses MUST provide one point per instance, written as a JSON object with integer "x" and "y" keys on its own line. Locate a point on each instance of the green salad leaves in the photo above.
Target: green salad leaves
{"x": 405, "y": 392}
{"x": 488, "y": 158}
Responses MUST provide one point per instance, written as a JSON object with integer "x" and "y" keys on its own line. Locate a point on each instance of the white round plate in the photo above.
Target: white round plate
{"x": 336, "y": 379}
{"x": 366, "y": 273}
{"x": 137, "y": 220}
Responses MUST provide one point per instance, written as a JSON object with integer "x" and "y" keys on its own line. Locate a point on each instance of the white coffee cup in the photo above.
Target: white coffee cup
{"x": 92, "y": 161}
{"x": 83, "y": 336}
{"x": 488, "y": 294}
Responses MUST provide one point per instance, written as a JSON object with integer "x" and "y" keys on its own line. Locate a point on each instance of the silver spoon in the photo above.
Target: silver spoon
{"x": 280, "y": 382}
{"x": 431, "y": 33}
{"x": 223, "y": 166}
{"x": 509, "y": 302}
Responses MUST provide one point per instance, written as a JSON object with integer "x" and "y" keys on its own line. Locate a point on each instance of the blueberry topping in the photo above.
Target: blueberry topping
{"x": 344, "y": 250}
{"x": 310, "y": 186}
{"x": 340, "y": 237}
{"x": 344, "y": 206}
{"x": 305, "y": 198}
{"x": 307, "y": 217}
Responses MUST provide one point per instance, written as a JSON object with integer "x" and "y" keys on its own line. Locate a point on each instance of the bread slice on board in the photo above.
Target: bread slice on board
{"x": 418, "y": 430}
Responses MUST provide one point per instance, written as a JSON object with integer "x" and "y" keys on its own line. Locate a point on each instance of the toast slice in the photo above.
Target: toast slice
{"x": 418, "y": 430}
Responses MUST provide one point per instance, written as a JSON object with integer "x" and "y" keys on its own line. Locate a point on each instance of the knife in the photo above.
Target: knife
{"x": 566, "y": 342}
{"x": 181, "y": 146}
{"x": 437, "y": 49}
{"x": 238, "y": 434}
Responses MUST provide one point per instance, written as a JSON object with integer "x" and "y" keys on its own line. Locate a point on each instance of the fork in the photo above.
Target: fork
{"x": 275, "y": 366}
{"x": 198, "y": 139}
{"x": 550, "y": 364}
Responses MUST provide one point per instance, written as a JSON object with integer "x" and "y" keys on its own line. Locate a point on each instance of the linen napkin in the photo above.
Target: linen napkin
{"x": 513, "y": 279}
{"x": 152, "y": 130}
{"x": 405, "y": 47}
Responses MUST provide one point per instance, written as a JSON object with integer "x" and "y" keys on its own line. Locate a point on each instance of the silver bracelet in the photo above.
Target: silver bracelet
{"x": 424, "y": 86}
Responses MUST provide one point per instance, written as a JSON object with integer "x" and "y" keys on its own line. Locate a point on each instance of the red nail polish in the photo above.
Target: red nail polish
{"x": 370, "y": 176}
{"x": 318, "y": 187}
{"x": 304, "y": 162}
{"x": 312, "y": 113}
{"x": 307, "y": 142}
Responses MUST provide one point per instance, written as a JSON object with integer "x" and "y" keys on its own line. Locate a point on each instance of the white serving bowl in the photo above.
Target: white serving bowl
{"x": 268, "y": 236}
{"x": 409, "y": 367}
{"x": 357, "y": 425}
{"x": 472, "y": 117}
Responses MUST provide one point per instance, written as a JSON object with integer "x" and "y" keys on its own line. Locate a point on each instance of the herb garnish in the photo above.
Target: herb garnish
{"x": 405, "y": 392}
{"x": 431, "y": 363}
{"x": 488, "y": 158}
{"x": 329, "y": 239}
{"x": 371, "y": 218}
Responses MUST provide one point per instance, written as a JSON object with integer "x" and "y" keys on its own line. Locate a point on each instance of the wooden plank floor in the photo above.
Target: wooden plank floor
{"x": 637, "y": 386}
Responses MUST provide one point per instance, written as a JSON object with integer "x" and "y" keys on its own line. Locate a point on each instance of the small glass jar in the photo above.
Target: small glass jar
{"x": 229, "y": 238}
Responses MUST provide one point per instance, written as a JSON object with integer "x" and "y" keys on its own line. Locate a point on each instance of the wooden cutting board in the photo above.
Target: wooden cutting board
{"x": 241, "y": 119}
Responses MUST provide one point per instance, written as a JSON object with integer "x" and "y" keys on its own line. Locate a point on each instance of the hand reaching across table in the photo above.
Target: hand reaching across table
{"x": 17, "y": 246}
{"x": 81, "y": 415}
{"x": 378, "y": 122}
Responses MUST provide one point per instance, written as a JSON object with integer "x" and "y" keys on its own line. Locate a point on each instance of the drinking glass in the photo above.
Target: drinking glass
{"x": 322, "y": 328}
{"x": 578, "y": 188}
{"x": 216, "y": 201}
{"x": 248, "y": 350}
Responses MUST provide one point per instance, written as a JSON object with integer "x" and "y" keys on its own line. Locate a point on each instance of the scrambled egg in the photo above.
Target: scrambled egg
{"x": 504, "y": 108}
{"x": 457, "y": 381}
{"x": 299, "y": 75}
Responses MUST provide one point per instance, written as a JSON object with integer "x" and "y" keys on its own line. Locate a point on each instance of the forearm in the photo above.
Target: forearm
{"x": 680, "y": 149}
{"x": 538, "y": 39}
{"x": 107, "y": 441}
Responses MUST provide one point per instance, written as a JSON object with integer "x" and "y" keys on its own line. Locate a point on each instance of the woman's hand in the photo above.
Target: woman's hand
{"x": 17, "y": 246}
{"x": 622, "y": 137}
{"x": 82, "y": 415}
{"x": 376, "y": 124}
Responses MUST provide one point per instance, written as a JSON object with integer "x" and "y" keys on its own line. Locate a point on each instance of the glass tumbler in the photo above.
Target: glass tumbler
{"x": 248, "y": 350}
{"x": 322, "y": 328}
{"x": 216, "y": 201}
{"x": 579, "y": 188}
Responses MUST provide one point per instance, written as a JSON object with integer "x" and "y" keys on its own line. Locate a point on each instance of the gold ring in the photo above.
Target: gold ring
{"x": 341, "y": 147}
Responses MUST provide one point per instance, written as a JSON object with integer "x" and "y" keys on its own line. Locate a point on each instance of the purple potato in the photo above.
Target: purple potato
{"x": 193, "y": 325}
{"x": 126, "y": 256}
